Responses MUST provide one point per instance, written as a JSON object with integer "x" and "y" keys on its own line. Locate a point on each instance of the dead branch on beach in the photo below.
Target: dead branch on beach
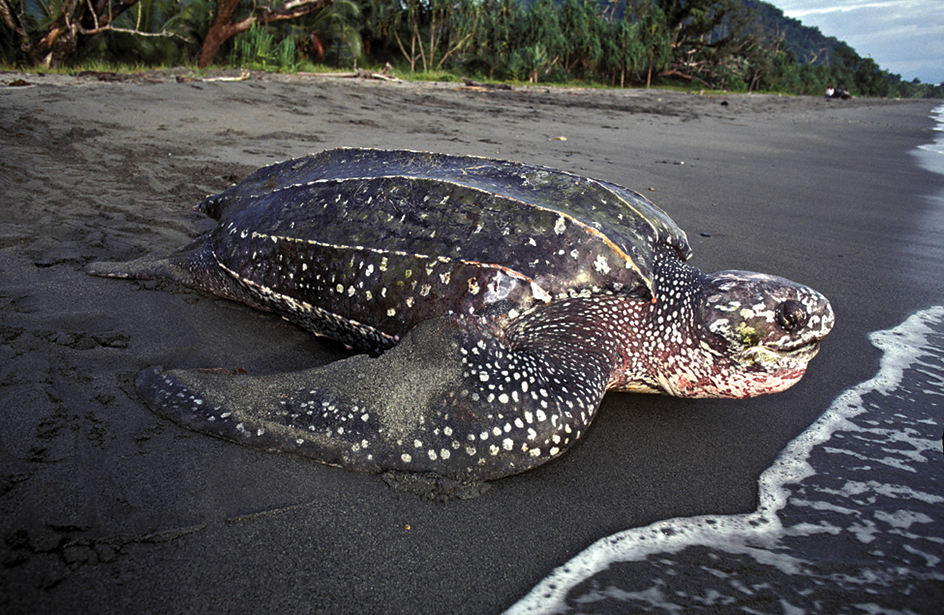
{"x": 243, "y": 76}
{"x": 478, "y": 85}
{"x": 358, "y": 73}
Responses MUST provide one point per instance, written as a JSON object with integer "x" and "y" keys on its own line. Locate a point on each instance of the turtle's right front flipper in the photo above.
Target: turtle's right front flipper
{"x": 452, "y": 398}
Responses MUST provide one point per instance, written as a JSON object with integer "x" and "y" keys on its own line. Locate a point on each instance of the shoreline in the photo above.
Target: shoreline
{"x": 106, "y": 507}
{"x": 691, "y": 557}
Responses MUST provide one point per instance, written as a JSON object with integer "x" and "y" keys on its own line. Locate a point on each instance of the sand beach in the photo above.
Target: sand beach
{"x": 106, "y": 508}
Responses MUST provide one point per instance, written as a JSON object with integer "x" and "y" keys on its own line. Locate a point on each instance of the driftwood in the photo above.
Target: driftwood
{"x": 113, "y": 77}
{"x": 243, "y": 76}
{"x": 359, "y": 73}
{"x": 478, "y": 85}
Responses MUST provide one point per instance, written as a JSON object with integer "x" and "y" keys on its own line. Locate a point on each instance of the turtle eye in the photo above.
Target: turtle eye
{"x": 791, "y": 316}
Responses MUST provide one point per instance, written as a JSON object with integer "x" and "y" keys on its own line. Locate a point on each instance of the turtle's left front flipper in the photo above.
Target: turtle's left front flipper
{"x": 194, "y": 266}
{"x": 453, "y": 398}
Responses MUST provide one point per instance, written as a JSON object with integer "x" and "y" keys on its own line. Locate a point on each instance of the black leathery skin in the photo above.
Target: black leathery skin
{"x": 503, "y": 300}
{"x": 362, "y": 245}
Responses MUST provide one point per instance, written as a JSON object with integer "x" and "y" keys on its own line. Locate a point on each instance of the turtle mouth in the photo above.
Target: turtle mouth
{"x": 781, "y": 356}
{"x": 796, "y": 349}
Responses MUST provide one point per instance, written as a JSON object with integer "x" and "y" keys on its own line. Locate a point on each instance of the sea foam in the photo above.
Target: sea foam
{"x": 931, "y": 155}
{"x": 859, "y": 475}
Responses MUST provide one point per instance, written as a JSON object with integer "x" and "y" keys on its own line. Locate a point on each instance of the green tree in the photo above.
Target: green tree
{"x": 869, "y": 79}
{"x": 378, "y": 20}
{"x": 535, "y": 61}
{"x": 698, "y": 37}
{"x": 410, "y": 18}
{"x": 330, "y": 34}
{"x": 540, "y": 38}
{"x": 813, "y": 78}
{"x": 492, "y": 46}
{"x": 258, "y": 49}
{"x": 654, "y": 36}
{"x": 185, "y": 21}
{"x": 624, "y": 52}
{"x": 785, "y": 74}
{"x": 452, "y": 25}
{"x": 582, "y": 47}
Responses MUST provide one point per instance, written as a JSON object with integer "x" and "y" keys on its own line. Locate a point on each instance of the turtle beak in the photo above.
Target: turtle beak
{"x": 776, "y": 359}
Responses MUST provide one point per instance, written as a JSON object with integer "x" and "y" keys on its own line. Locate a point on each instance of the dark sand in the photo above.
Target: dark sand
{"x": 107, "y": 508}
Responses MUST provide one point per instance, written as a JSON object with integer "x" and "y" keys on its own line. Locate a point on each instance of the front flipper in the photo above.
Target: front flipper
{"x": 194, "y": 266}
{"x": 451, "y": 399}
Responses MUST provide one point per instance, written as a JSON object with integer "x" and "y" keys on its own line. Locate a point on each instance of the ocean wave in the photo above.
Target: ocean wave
{"x": 848, "y": 517}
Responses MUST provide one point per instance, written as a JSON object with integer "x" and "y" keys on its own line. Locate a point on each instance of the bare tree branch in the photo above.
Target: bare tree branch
{"x": 75, "y": 20}
{"x": 12, "y": 20}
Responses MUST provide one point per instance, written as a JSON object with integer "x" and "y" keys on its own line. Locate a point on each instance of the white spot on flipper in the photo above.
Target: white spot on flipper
{"x": 560, "y": 226}
{"x": 600, "y": 265}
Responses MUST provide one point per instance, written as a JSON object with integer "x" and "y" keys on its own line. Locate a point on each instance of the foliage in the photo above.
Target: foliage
{"x": 257, "y": 49}
{"x": 338, "y": 27}
{"x": 584, "y": 33}
{"x": 231, "y": 19}
{"x": 53, "y": 33}
{"x": 183, "y": 22}
{"x": 331, "y": 35}
{"x": 738, "y": 45}
{"x": 433, "y": 33}
{"x": 654, "y": 36}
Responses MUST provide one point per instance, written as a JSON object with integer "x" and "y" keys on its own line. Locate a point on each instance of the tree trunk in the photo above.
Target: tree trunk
{"x": 12, "y": 20}
{"x": 220, "y": 31}
{"x": 223, "y": 28}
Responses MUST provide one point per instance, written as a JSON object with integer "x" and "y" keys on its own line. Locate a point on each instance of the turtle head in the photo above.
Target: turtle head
{"x": 756, "y": 332}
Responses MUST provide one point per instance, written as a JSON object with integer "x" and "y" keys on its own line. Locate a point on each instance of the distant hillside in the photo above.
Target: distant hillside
{"x": 738, "y": 45}
{"x": 806, "y": 42}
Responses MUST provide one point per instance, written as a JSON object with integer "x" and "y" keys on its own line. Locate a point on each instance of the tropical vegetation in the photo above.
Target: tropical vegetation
{"x": 736, "y": 45}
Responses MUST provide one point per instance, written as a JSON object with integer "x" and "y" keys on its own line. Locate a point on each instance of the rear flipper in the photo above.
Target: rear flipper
{"x": 451, "y": 399}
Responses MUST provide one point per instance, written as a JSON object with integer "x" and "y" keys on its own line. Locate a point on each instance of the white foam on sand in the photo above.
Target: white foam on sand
{"x": 931, "y": 155}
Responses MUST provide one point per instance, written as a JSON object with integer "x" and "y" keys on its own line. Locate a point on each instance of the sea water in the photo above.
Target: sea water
{"x": 850, "y": 516}
{"x": 850, "y": 520}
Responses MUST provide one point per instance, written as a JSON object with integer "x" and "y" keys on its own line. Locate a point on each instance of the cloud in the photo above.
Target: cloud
{"x": 902, "y": 36}
{"x": 812, "y": 7}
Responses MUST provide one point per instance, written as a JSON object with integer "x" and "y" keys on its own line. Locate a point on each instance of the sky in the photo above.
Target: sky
{"x": 905, "y": 37}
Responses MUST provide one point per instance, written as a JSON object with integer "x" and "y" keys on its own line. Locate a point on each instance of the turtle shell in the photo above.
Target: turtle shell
{"x": 386, "y": 239}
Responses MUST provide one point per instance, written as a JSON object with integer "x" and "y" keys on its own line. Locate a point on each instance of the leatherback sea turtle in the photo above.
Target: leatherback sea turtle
{"x": 499, "y": 300}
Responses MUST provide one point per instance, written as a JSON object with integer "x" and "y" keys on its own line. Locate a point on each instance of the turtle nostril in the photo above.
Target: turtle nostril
{"x": 791, "y": 316}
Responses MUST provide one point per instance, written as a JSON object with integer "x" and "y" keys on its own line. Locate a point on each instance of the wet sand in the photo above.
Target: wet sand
{"x": 104, "y": 507}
